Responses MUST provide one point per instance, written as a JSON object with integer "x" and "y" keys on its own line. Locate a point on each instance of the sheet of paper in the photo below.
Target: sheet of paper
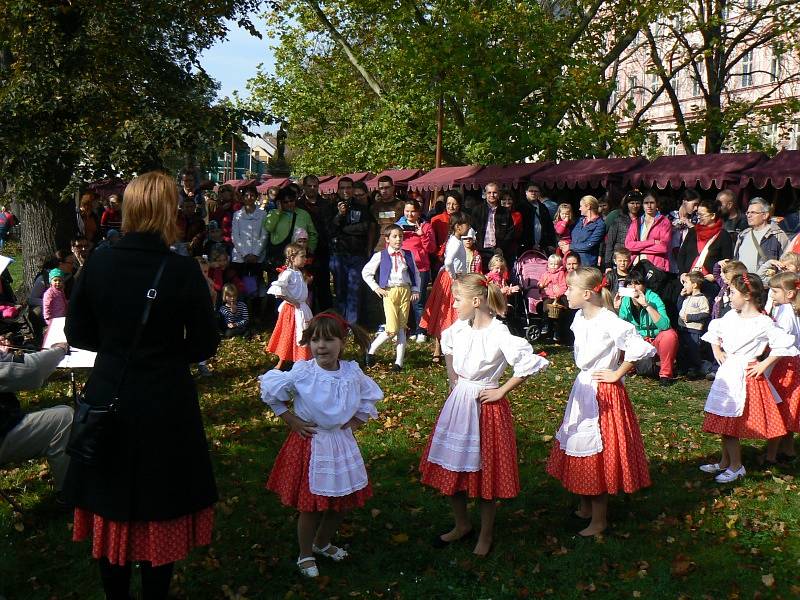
{"x": 77, "y": 358}
{"x": 4, "y": 262}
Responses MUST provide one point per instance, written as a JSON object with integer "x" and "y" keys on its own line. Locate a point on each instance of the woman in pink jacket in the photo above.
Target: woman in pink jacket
{"x": 649, "y": 235}
{"x": 418, "y": 239}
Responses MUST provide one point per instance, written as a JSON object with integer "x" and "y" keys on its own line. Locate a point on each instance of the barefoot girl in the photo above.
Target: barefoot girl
{"x": 319, "y": 470}
{"x": 472, "y": 451}
{"x": 741, "y": 403}
{"x": 598, "y": 449}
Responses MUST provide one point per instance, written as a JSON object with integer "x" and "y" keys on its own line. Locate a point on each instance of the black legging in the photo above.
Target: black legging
{"x": 117, "y": 580}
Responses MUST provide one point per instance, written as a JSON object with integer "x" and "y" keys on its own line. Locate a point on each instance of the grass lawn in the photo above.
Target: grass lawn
{"x": 11, "y": 248}
{"x": 684, "y": 537}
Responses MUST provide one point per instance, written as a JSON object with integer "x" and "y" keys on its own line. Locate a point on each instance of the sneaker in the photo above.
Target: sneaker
{"x": 369, "y": 360}
{"x": 711, "y": 468}
{"x": 421, "y": 339}
{"x": 728, "y": 476}
{"x": 711, "y": 376}
{"x": 396, "y": 368}
{"x": 665, "y": 381}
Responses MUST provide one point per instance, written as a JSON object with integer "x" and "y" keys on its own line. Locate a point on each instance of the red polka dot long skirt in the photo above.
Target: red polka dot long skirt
{"x": 760, "y": 420}
{"x": 499, "y": 474}
{"x": 439, "y": 313}
{"x": 785, "y": 378}
{"x": 622, "y": 464}
{"x": 282, "y": 341}
{"x": 289, "y": 479}
{"x": 158, "y": 542}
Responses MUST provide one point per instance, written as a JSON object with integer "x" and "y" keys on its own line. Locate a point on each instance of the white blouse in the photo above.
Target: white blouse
{"x": 786, "y": 318}
{"x": 455, "y": 256}
{"x": 291, "y": 286}
{"x": 743, "y": 339}
{"x": 599, "y": 344}
{"x": 329, "y": 399}
{"x": 480, "y": 356}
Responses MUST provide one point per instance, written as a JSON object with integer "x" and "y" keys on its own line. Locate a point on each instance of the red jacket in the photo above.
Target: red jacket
{"x": 554, "y": 285}
{"x": 420, "y": 246}
{"x": 655, "y": 246}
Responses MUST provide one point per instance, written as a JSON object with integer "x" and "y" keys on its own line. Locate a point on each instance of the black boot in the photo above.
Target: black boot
{"x": 556, "y": 331}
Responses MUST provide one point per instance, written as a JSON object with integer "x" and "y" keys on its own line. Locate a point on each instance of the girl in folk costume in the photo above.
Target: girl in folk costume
{"x": 472, "y": 451}
{"x": 785, "y": 375}
{"x": 474, "y": 261}
{"x": 741, "y": 402}
{"x": 293, "y": 313}
{"x": 598, "y": 449}
{"x": 320, "y": 470}
{"x": 439, "y": 313}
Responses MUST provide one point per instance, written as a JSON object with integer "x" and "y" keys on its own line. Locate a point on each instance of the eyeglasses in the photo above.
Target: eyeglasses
{"x": 755, "y": 212}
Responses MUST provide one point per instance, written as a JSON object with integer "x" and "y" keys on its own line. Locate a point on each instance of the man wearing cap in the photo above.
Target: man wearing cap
{"x": 40, "y": 433}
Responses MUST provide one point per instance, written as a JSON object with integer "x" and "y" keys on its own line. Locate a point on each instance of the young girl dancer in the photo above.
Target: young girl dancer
{"x": 472, "y": 450}
{"x": 439, "y": 313}
{"x": 319, "y": 470}
{"x": 785, "y": 375}
{"x": 741, "y": 403}
{"x": 598, "y": 449}
{"x": 293, "y": 313}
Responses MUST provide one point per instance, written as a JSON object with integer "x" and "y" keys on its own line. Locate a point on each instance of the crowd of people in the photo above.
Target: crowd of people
{"x": 631, "y": 287}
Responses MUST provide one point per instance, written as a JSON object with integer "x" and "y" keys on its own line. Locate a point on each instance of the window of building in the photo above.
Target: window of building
{"x": 771, "y": 134}
{"x": 695, "y": 86}
{"x": 747, "y": 69}
{"x": 672, "y": 144}
{"x": 776, "y": 65}
{"x": 655, "y": 82}
{"x": 794, "y": 137}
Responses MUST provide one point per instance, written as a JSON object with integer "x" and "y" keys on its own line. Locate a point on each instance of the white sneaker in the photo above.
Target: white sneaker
{"x": 727, "y": 476}
{"x": 421, "y": 339}
{"x": 711, "y": 468}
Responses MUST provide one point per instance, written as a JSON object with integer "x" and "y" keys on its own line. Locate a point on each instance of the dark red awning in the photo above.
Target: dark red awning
{"x": 399, "y": 177}
{"x": 442, "y": 178}
{"x": 506, "y": 175}
{"x": 779, "y": 172}
{"x": 280, "y": 182}
{"x": 106, "y": 187}
{"x": 707, "y": 170}
{"x": 241, "y": 183}
{"x": 587, "y": 173}
{"x": 331, "y": 185}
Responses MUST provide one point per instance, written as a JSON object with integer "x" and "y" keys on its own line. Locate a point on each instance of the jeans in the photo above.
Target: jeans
{"x": 418, "y": 306}
{"x": 347, "y": 283}
{"x": 690, "y": 348}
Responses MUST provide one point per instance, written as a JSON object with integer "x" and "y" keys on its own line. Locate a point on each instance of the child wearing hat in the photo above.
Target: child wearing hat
{"x": 474, "y": 262}
{"x": 54, "y": 301}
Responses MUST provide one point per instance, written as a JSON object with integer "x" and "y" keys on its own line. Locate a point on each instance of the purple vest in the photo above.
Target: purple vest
{"x": 386, "y": 267}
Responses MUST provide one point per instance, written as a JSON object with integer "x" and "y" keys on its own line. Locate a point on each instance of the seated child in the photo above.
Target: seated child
{"x": 553, "y": 286}
{"x": 8, "y": 300}
{"x": 474, "y": 262}
{"x": 54, "y": 301}
{"x": 693, "y": 314}
{"x": 498, "y": 275}
{"x": 620, "y": 271}
{"x": 233, "y": 312}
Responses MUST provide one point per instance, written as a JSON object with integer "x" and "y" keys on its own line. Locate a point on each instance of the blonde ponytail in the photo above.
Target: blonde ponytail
{"x": 475, "y": 285}
{"x": 496, "y": 299}
{"x": 607, "y": 299}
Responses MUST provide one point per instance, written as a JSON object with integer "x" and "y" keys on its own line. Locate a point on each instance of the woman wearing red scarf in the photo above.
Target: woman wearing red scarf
{"x": 703, "y": 247}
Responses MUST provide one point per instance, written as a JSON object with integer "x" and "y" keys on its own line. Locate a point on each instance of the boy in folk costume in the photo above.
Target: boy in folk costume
{"x": 598, "y": 449}
{"x": 398, "y": 285}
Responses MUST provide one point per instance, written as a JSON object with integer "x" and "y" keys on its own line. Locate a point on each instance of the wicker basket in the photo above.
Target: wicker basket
{"x": 555, "y": 310}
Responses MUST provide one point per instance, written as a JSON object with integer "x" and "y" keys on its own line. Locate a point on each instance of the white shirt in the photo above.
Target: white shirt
{"x": 249, "y": 235}
{"x": 399, "y": 275}
{"x": 743, "y": 340}
{"x": 291, "y": 286}
{"x": 455, "y": 257}
{"x": 329, "y": 399}
{"x": 786, "y": 318}
{"x": 599, "y": 344}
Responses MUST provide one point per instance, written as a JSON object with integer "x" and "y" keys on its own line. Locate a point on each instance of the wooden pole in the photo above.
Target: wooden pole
{"x": 439, "y": 131}
{"x": 233, "y": 158}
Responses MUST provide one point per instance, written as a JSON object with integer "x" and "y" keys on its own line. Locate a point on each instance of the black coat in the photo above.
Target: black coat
{"x": 720, "y": 249}
{"x": 160, "y": 467}
{"x": 615, "y": 238}
{"x": 549, "y": 238}
{"x": 503, "y": 228}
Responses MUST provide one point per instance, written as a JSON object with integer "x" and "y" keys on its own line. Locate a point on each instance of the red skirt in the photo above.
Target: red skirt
{"x": 282, "y": 341}
{"x": 760, "y": 420}
{"x": 157, "y": 542}
{"x": 785, "y": 378}
{"x": 289, "y": 479}
{"x": 622, "y": 464}
{"x": 439, "y": 313}
{"x": 499, "y": 474}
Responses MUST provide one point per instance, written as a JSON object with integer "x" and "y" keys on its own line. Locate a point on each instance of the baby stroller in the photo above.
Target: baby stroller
{"x": 528, "y": 269}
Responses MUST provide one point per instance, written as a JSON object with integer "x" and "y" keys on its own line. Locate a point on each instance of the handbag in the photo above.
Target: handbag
{"x": 94, "y": 426}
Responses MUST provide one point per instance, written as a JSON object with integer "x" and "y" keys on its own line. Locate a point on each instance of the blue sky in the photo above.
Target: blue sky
{"x": 233, "y": 61}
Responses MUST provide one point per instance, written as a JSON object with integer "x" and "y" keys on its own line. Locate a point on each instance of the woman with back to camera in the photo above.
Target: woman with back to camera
{"x": 150, "y": 497}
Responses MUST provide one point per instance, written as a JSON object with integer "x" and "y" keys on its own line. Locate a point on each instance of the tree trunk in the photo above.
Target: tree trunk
{"x": 46, "y": 226}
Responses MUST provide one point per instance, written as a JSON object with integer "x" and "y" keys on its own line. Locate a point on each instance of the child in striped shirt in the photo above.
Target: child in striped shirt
{"x": 233, "y": 312}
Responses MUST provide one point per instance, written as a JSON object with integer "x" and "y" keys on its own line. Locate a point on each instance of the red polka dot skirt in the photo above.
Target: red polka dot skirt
{"x": 157, "y": 542}
{"x": 785, "y": 377}
{"x": 439, "y": 313}
{"x": 282, "y": 341}
{"x": 622, "y": 464}
{"x": 499, "y": 474}
{"x": 289, "y": 479}
{"x": 760, "y": 420}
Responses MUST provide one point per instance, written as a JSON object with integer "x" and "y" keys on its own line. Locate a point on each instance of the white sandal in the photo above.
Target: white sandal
{"x": 310, "y": 572}
{"x": 711, "y": 468}
{"x": 339, "y": 555}
{"x": 729, "y": 476}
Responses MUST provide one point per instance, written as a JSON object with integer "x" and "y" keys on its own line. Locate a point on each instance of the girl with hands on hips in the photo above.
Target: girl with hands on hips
{"x": 320, "y": 470}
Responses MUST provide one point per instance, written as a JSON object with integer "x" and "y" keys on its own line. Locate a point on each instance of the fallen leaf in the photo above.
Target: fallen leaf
{"x": 768, "y": 580}
{"x": 681, "y": 566}
{"x": 400, "y": 538}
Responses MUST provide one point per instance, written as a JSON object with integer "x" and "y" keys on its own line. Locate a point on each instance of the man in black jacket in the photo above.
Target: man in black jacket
{"x": 493, "y": 225}
{"x": 537, "y": 224}
{"x": 41, "y": 433}
{"x": 321, "y": 214}
{"x": 349, "y": 233}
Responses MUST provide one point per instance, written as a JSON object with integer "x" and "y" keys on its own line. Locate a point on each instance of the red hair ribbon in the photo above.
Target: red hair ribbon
{"x": 483, "y": 282}
{"x": 746, "y": 281}
{"x": 599, "y": 287}
{"x": 329, "y": 315}
{"x": 797, "y": 283}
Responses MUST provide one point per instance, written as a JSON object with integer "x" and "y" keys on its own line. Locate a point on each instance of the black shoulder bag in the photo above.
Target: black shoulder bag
{"x": 94, "y": 426}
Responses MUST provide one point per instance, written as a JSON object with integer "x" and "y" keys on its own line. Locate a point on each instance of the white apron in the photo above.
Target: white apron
{"x": 579, "y": 434}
